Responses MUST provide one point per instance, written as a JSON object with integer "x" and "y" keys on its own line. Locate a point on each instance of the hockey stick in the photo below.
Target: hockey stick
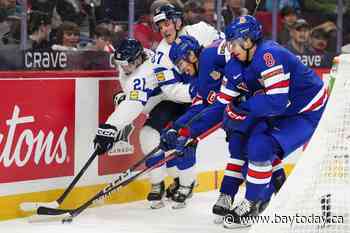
{"x": 121, "y": 181}
{"x": 32, "y": 206}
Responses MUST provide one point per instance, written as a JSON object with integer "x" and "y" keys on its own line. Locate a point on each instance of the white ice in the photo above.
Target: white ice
{"x": 133, "y": 217}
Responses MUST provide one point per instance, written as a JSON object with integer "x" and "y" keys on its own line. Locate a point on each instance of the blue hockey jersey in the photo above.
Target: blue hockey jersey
{"x": 207, "y": 109}
{"x": 210, "y": 72}
{"x": 277, "y": 82}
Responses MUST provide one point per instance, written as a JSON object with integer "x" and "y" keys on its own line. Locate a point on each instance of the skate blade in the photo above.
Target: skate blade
{"x": 157, "y": 204}
{"x": 235, "y": 225}
{"x": 179, "y": 205}
{"x": 218, "y": 219}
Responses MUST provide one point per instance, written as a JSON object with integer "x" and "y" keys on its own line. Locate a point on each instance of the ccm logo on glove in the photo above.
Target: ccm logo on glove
{"x": 106, "y": 132}
{"x": 234, "y": 115}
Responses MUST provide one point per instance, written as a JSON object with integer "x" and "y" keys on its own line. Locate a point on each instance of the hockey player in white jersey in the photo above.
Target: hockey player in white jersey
{"x": 140, "y": 92}
{"x": 178, "y": 89}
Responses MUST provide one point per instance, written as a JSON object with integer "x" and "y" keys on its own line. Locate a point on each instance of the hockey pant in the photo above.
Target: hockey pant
{"x": 160, "y": 116}
{"x": 283, "y": 136}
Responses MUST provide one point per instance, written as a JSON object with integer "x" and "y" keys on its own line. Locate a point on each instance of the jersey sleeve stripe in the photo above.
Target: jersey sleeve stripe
{"x": 281, "y": 84}
{"x": 197, "y": 100}
{"x": 269, "y": 72}
{"x": 276, "y": 79}
{"x": 223, "y": 98}
{"x": 229, "y": 92}
{"x": 280, "y": 90}
{"x": 317, "y": 102}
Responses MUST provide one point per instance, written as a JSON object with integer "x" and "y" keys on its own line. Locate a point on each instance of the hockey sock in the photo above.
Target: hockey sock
{"x": 258, "y": 177}
{"x": 233, "y": 177}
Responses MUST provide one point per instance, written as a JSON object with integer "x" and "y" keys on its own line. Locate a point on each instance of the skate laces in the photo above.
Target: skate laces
{"x": 185, "y": 190}
{"x": 224, "y": 200}
{"x": 156, "y": 188}
{"x": 243, "y": 207}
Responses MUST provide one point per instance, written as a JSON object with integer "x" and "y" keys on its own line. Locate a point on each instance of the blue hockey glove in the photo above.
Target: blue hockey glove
{"x": 105, "y": 137}
{"x": 168, "y": 139}
{"x": 182, "y": 141}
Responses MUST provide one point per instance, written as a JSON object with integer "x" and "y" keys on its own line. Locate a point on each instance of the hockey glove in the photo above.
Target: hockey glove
{"x": 182, "y": 141}
{"x": 105, "y": 137}
{"x": 236, "y": 120}
{"x": 118, "y": 98}
{"x": 168, "y": 139}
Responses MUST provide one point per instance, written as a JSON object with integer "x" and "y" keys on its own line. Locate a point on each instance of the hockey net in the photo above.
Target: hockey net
{"x": 316, "y": 196}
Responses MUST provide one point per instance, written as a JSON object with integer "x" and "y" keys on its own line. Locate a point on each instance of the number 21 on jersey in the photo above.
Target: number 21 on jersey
{"x": 140, "y": 84}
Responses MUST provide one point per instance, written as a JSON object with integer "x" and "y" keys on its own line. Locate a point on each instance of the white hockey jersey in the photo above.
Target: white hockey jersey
{"x": 164, "y": 68}
{"x": 142, "y": 95}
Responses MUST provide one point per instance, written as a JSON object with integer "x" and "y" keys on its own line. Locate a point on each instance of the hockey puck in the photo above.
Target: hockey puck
{"x": 67, "y": 220}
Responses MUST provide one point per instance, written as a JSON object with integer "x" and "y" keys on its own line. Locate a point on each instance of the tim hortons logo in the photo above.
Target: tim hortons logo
{"x": 39, "y": 147}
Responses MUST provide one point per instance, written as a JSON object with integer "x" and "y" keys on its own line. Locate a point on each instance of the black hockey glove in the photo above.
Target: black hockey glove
{"x": 105, "y": 137}
{"x": 118, "y": 98}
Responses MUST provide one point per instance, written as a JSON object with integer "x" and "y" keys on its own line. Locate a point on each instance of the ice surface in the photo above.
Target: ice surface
{"x": 133, "y": 217}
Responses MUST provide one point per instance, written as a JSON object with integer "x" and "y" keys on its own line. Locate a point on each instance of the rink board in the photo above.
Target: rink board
{"x": 47, "y": 123}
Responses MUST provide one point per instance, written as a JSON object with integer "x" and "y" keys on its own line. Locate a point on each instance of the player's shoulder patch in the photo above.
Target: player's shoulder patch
{"x": 137, "y": 95}
{"x": 134, "y": 95}
{"x": 222, "y": 47}
{"x": 215, "y": 75}
{"x": 160, "y": 76}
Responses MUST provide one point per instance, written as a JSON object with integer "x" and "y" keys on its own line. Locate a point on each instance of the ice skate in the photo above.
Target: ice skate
{"x": 240, "y": 216}
{"x": 222, "y": 207}
{"x": 180, "y": 196}
{"x": 172, "y": 189}
{"x": 156, "y": 195}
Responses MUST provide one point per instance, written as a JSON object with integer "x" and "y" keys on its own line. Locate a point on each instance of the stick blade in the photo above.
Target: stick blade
{"x": 51, "y": 211}
{"x": 48, "y": 218}
{"x": 33, "y": 206}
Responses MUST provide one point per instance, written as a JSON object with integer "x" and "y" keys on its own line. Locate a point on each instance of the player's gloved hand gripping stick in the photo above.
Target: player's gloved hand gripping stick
{"x": 33, "y": 206}
{"x": 121, "y": 181}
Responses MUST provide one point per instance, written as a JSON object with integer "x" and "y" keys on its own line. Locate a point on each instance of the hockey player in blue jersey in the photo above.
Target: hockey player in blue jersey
{"x": 178, "y": 93}
{"x": 208, "y": 64}
{"x": 284, "y": 92}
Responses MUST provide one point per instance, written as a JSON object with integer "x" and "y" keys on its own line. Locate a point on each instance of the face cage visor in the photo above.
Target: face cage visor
{"x": 231, "y": 44}
{"x": 162, "y": 17}
{"x": 127, "y": 67}
{"x": 183, "y": 61}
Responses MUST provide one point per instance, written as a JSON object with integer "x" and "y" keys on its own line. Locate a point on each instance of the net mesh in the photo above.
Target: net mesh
{"x": 316, "y": 196}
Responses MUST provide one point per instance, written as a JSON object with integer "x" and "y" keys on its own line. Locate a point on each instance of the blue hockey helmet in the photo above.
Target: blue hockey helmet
{"x": 244, "y": 27}
{"x": 128, "y": 51}
{"x": 167, "y": 11}
{"x": 182, "y": 47}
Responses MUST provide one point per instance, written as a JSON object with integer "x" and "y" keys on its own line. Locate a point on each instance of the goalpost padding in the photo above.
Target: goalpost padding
{"x": 316, "y": 196}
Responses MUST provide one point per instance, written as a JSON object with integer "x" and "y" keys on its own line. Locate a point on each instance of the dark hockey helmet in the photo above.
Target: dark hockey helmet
{"x": 181, "y": 48}
{"x": 244, "y": 27}
{"x": 165, "y": 12}
{"x": 128, "y": 51}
